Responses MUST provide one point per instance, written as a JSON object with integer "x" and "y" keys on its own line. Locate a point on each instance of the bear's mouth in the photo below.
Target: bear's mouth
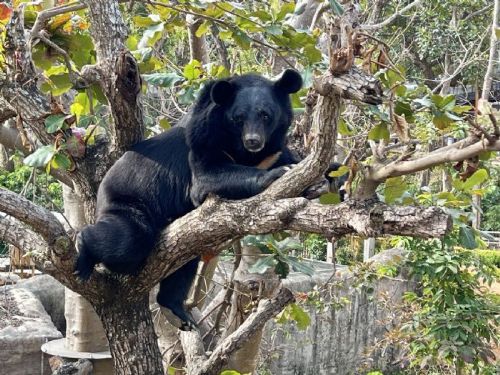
{"x": 253, "y": 143}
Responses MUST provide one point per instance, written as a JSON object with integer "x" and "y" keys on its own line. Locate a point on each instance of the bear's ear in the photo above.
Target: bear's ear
{"x": 290, "y": 81}
{"x": 222, "y": 92}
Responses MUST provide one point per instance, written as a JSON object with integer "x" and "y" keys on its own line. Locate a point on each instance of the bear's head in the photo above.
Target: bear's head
{"x": 256, "y": 112}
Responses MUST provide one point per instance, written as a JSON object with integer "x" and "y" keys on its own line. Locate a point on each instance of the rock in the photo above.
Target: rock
{"x": 8, "y": 278}
{"x": 50, "y": 293}
{"x": 20, "y": 343}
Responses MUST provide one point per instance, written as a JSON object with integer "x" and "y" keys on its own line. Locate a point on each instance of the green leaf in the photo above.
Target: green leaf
{"x": 337, "y": 9}
{"x": 298, "y": 266}
{"x": 467, "y": 237}
{"x": 339, "y": 172}
{"x": 394, "y": 188}
{"x": 329, "y": 198}
{"x": 300, "y": 316}
{"x": 60, "y": 161}
{"x": 282, "y": 269}
{"x": 241, "y": 39}
{"x": 162, "y": 79}
{"x": 164, "y": 124}
{"x": 380, "y": 131}
{"x": 286, "y": 8}
{"x": 274, "y": 30}
{"x": 202, "y": 30}
{"x": 477, "y": 178}
{"x": 230, "y": 372}
{"x": 192, "y": 70}
{"x": 54, "y": 122}
{"x": 40, "y": 157}
{"x": 343, "y": 128}
{"x": 497, "y": 33}
{"x": 61, "y": 84}
{"x": 263, "y": 264}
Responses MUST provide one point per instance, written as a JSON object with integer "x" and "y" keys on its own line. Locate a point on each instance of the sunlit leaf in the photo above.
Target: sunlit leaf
{"x": 203, "y": 29}
{"x": 477, "y": 178}
{"x": 394, "y": 188}
{"x": 329, "y": 198}
{"x": 378, "y": 132}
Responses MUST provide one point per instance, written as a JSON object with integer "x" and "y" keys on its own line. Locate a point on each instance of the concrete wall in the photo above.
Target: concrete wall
{"x": 338, "y": 339}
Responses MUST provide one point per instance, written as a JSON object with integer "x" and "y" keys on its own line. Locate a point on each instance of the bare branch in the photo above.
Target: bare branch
{"x": 191, "y": 341}
{"x": 14, "y": 232}
{"x": 437, "y": 157}
{"x": 392, "y": 18}
{"x": 37, "y": 217}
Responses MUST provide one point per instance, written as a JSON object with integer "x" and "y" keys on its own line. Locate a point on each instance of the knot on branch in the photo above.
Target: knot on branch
{"x": 354, "y": 84}
{"x": 61, "y": 246}
{"x": 128, "y": 80}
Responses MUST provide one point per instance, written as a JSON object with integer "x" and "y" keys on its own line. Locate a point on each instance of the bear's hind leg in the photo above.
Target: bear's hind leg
{"x": 121, "y": 243}
{"x": 173, "y": 292}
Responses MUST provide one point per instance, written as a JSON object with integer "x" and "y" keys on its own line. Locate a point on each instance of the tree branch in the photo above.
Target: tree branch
{"x": 218, "y": 221}
{"x": 267, "y": 309}
{"x": 119, "y": 73}
{"x": 440, "y": 156}
{"x": 392, "y": 18}
{"x": 37, "y": 217}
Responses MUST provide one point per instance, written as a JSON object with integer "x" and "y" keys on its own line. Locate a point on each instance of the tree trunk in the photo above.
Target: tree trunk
{"x": 488, "y": 78}
{"x": 129, "y": 328}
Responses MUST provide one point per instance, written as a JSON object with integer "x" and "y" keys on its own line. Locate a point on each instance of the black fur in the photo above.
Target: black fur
{"x": 234, "y": 125}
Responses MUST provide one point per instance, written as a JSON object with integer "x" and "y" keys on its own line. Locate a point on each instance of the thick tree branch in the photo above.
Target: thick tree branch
{"x": 119, "y": 73}
{"x": 38, "y": 218}
{"x": 217, "y": 222}
{"x": 16, "y": 233}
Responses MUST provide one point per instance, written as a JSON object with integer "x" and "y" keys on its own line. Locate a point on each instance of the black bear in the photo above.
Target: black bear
{"x": 234, "y": 125}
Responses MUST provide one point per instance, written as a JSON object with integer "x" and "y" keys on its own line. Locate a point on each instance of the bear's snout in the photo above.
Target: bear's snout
{"x": 253, "y": 142}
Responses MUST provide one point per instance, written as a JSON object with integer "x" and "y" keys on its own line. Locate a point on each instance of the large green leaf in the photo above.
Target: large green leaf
{"x": 263, "y": 264}
{"x": 337, "y": 9}
{"x": 162, "y": 79}
{"x": 300, "y": 316}
{"x": 192, "y": 70}
{"x": 40, "y": 157}
{"x": 379, "y": 132}
{"x": 467, "y": 237}
{"x": 54, "y": 122}
{"x": 394, "y": 189}
{"x": 477, "y": 178}
{"x": 297, "y": 265}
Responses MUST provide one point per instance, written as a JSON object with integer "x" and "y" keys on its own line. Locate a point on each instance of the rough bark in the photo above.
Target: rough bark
{"x": 132, "y": 340}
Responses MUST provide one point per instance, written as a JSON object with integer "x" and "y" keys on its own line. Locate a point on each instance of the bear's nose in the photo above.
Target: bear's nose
{"x": 253, "y": 142}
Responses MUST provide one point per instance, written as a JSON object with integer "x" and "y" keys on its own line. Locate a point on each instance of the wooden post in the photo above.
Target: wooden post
{"x": 368, "y": 248}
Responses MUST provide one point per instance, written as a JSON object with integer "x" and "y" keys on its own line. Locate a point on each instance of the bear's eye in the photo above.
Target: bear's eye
{"x": 264, "y": 116}
{"x": 238, "y": 120}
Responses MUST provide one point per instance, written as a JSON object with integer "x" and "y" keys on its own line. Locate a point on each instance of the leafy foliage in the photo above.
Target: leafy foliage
{"x": 454, "y": 322}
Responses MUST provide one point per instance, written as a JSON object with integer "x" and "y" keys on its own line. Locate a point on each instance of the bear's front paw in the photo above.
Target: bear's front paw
{"x": 272, "y": 175}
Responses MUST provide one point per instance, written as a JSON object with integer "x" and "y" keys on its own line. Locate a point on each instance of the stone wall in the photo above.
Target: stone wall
{"x": 338, "y": 339}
